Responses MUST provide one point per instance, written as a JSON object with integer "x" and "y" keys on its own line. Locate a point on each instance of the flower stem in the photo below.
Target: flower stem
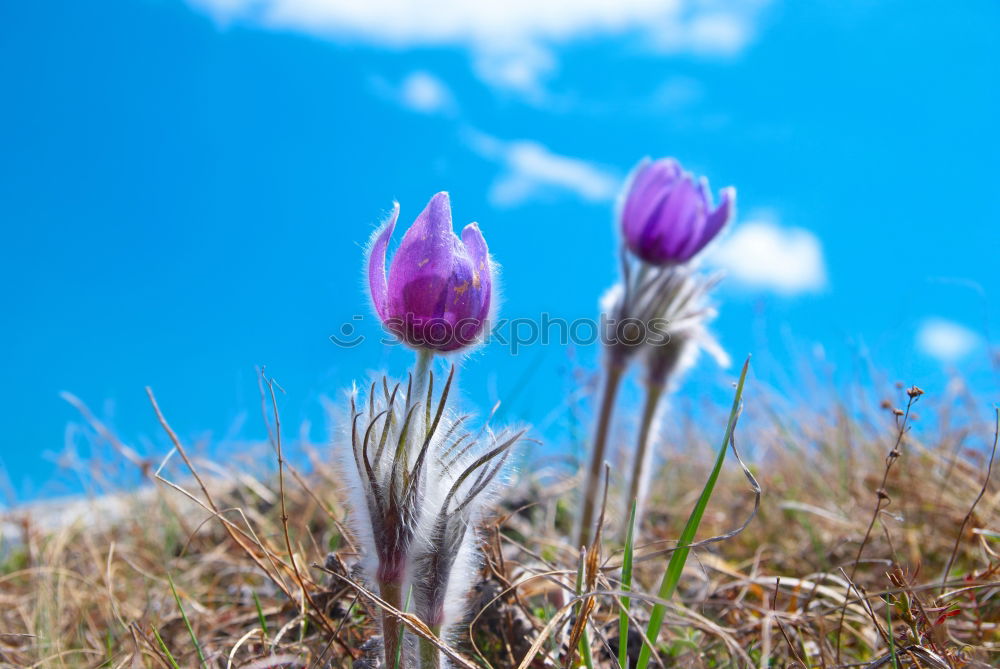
{"x": 421, "y": 376}
{"x": 612, "y": 380}
{"x": 430, "y": 656}
{"x": 392, "y": 628}
{"x": 653, "y": 393}
{"x": 421, "y": 369}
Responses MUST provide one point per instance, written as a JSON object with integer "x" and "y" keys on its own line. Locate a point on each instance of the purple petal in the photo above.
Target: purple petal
{"x": 423, "y": 265}
{"x": 722, "y": 214}
{"x": 653, "y": 182}
{"x": 482, "y": 279}
{"x": 694, "y": 227}
{"x": 716, "y": 220}
{"x": 376, "y": 262}
{"x": 678, "y": 216}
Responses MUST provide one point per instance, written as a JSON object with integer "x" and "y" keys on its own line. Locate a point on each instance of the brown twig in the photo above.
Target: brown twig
{"x": 320, "y": 615}
{"x": 179, "y": 447}
{"x": 774, "y": 607}
{"x": 982, "y": 492}
{"x": 882, "y": 498}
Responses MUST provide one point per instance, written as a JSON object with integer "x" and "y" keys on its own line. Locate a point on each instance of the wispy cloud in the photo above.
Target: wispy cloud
{"x": 518, "y": 68}
{"x": 419, "y": 91}
{"x": 512, "y": 41}
{"x": 529, "y": 170}
{"x": 764, "y": 255}
{"x": 946, "y": 340}
{"x": 423, "y": 92}
{"x": 713, "y": 32}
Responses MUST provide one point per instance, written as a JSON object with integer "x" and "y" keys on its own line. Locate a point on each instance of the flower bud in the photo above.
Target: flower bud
{"x": 437, "y": 295}
{"x": 668, "y": 217}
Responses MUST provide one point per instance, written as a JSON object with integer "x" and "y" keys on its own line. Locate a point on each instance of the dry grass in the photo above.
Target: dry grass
{"x": 193, "y": 569}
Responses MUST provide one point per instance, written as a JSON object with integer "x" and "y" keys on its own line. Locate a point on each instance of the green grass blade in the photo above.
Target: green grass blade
{"x": 109, "y": 645}
{"x": 187, "y": 623}
{"x": 584, "y": 644}
{"x": 676, "y": 565}
{"x": 626, "y": 586}
{"x": 166, "y": 651}
{"x": 260, "y": 615}
{"x": 892, "y": 639}
{"x": 406, "y": 607}
{"x": 588, "y": 659}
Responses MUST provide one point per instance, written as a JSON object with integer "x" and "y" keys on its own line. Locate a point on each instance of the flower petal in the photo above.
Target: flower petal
{"x": 423, "y": 265}
{"x": 652, "y": 184}
{"x": 712, "y": 223}
{"x": 376, "y": 262}
{"x": 482, "y": 277}
{"x": 670, "y": 228}
{"x": 722, "y": 214}
{"x": 695, "y": 225}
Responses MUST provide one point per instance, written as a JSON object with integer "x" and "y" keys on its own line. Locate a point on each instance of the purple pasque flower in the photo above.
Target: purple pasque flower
{"x": 667, "y": 216}
{"x": 437, "y": 295}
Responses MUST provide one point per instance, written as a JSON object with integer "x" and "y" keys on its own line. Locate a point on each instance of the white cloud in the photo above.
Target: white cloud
{"x": 720, "y": 33}
{"x": 519, "y": 69}
{"x": 764, "y": 255}
{"x": 423, "y": 92}
{"x": 946, "y": 340}
{"x": 531, "y": 171}
{"x": 511, "y": 39}
{"x": 419, "y": 91}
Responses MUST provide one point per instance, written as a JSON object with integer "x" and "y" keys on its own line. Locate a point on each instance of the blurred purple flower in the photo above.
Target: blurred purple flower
{"x": 668, "y": 217}
{"x": 437, "y": 296}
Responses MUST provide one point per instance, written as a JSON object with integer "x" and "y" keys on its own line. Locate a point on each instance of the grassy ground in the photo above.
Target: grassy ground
{"x": 202, "y": 570}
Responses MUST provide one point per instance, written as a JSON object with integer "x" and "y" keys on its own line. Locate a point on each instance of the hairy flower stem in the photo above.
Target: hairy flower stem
{"x": 653, "y": 393}
{"x": 430, "y": 656}
{"x": 392, "y": 628}
{"x": 420, "y": 373}
{"x": 612, "y": 380}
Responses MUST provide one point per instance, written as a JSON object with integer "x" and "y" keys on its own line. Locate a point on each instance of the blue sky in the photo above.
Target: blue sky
{"x": 185, "y": 189}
